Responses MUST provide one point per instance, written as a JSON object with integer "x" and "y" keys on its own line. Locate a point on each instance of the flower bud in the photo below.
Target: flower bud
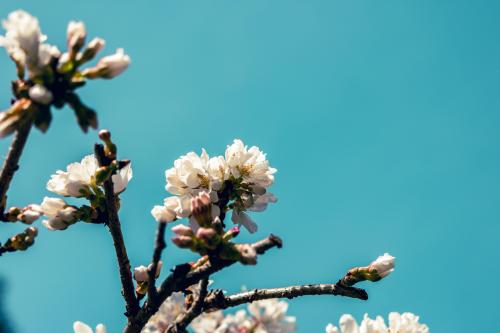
{"x": 40, "y": 94}
{"x": 182, "y": 230}
{"x": 382, "y": 266}
{"x": 21, "y": 241}
{"x": 94, "y": 47}
{"x": 201, "y": 209}
{"x": 232, "y": 233}
{"x": 109, "y": 66}
{"x": 12, "y": 214}
{"x": 30, "y": 214}
{"x": 209, "y": 236}
{"x": 376, "y": 271}
{"x": 75, "y": 37}
{"x": 183, "y": 241}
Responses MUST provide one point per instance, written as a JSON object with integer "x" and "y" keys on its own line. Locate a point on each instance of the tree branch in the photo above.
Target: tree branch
{"x": 182, "y": 277}
{"x": 128, "y": 290}
{"x": 11, "y": 164}
{"x": 194, "y": 311}
{"x": 159, "y": 246}
{"x": 217, "y": 300}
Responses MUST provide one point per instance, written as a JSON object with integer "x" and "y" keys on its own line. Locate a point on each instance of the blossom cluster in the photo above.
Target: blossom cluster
{"x": 265, "y": 316}
{"x": 53, "y": 76}
{"x": 81, "y": 180}
{"x": 204, "y": 189}
{"x": 400, "y": 323}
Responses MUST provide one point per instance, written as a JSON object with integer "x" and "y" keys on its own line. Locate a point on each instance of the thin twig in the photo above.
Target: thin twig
{"x": 11, "y": 164}
{"x": 159, "y": 246}
{"x": 217, "y": 300}
{"x": 128, "y": 291}
{"x": 194, "y": 311}
{"x": 182, "y": 277}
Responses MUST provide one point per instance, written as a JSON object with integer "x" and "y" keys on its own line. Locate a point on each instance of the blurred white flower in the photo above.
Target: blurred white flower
{"x": 250, "y": 165}
{"x": 76, "y": 35}
{"x": 22, "y": 38}
{"x": 398, "y": 323}
{"x": 383, "y": 265}
{"x": 266, "y": 316}
{"x": 40, "y": 94}
{"x": 77, "y": 180}
{"x": 271, "y": 317}
{"x": 208, "y": 322}
{"x": 80, "y": 327}
{"x": 60, "y": 215}
{"x": 166, "y": 315}
{"x": 331, "y": 329}
{"x": 109, "y": 67}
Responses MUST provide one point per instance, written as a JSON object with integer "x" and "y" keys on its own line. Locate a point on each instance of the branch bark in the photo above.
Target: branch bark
{"x": 217, "y": 300}
{"x": 182, "y": 277}
{"x": 159, "y": 246}
{"x": 194, "y": 311}
{"x": 128, "y": 290}
{"x": 11, "y": 163}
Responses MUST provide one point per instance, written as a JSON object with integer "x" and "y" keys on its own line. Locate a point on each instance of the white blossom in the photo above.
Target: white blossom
{"x": 60, "y": 215}
{"x": 189, "y": 174}
{"x": 208, "y": 322}
{"x": 38, "y": 93}
{"x": 172, "y": 209}
{"x": 271, "y": 316}
{"x": 169, "y": 311}
{"x": 22, "y": 38}
{"x": 383, "y": 265}
{"x": 249, "y": 164}
{"x": 77, "y": 179}
{"x": 80, "y": 327}
{"x": 398, "y": 323}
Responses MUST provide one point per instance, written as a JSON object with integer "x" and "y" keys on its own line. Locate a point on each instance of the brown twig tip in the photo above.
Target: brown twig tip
{"x": 276, "y": 240}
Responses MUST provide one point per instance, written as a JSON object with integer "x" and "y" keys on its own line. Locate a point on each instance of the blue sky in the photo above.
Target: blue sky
{"x": 382, "y": 118}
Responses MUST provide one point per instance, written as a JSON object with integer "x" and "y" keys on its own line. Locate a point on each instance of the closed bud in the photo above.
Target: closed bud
{"x": 232, "y": 233}
{"x": 30, "y": 214}
{"x": 94, "y": 47}
{"x": 201, "y": 209}
{"x": 382, "y": 266}
{"x": 183, "y": 230}
{"x": 75, "y": 37}
{"x": 183, "y": 241}
{"x": 109, "y": 66}
{"x": 12, "y": 213}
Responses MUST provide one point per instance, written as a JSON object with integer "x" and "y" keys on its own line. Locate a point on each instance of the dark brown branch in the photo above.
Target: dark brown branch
{"x": 11, "y": 164}
{"x": 159, "y": 246}
{"x": 217, "y": 300}
{"x": 128, "y": 290}
{"x": 194, "y": 311}
{"x": 182, "y": 277}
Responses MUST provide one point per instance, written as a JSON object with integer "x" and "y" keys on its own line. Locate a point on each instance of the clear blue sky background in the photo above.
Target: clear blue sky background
{"x": 381, "y": 116}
